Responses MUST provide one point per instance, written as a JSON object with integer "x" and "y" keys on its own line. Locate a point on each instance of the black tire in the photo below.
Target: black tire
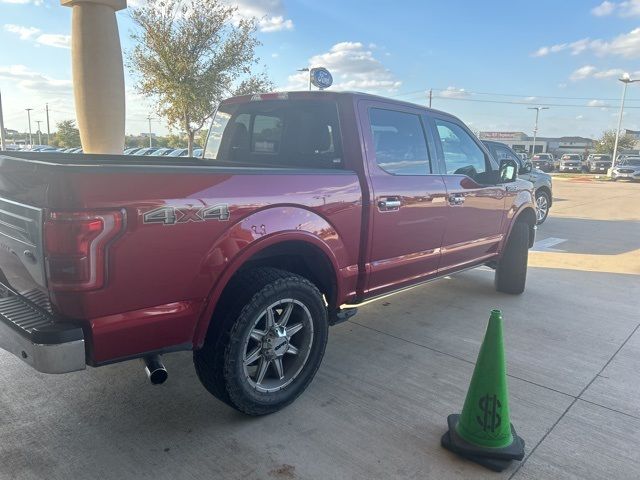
{"x": 220, "y": 362}
{"x": 511, "y": 272}
{"x": 541, "y": 194}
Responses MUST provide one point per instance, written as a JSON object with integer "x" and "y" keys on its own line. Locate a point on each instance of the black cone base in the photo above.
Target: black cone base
{"x": 496, "y": 459}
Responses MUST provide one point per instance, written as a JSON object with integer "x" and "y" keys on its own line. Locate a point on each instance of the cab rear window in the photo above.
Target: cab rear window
{"x": 293, "y": 133}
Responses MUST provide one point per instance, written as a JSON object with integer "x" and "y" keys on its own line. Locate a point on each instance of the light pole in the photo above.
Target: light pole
{"x": 149, "y": 118}
{"x": 29, "y": 119}
{"x": 626, "y": 81}
{"x": 535, "y": 127}
{"x": 46, "y": 109}
{"x": 3, "y": 145}
{"x": 39, "y": 132}
{"x": 306, "y": 70}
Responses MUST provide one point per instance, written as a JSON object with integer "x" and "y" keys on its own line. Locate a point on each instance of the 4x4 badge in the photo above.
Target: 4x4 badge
{"x": 186, "y": 214}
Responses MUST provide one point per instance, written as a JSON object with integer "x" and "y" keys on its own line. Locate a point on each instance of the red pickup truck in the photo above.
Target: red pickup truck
{"x": 304, "y": 205}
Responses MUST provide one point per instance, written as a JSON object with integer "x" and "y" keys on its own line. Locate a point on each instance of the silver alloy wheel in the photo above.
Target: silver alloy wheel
{"x": 542, "y": 207}
{"x": 278, "y": 345}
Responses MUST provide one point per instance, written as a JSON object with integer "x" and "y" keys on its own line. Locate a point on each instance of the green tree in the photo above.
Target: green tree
{"x": 606, "y": 143}
{"x": 67, "y": 134}
{"x": 190, "y": 55}
{"x": 176, "y": 141}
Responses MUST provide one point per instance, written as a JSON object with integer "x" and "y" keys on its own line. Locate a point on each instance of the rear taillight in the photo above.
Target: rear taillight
{"x": 76, "y": 246}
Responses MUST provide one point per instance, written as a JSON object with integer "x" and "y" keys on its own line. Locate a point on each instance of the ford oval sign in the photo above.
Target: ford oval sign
{"x": 321, "y": 78}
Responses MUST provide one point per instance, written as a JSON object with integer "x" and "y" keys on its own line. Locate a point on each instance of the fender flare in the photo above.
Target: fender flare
{"x": 525, "y": 209}
{"x": 257, "y": 232}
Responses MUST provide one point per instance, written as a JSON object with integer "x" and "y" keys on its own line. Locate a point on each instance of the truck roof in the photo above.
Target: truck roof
{"x": 328, "y": 95}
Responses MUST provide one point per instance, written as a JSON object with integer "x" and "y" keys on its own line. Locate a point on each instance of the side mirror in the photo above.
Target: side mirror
{"x": 525, "y": 168}
{"x": 508, "y": 171}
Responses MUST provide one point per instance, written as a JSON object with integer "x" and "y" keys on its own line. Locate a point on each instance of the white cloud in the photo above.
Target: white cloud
{"x": 582, "y": 73}
{"x": 34, "y": 81}
{"x": 580, "y": 117}
{"x": 453, "y": 92}
{"x": 275, "y": 24}
{"x": 25, "y": 33}
{"x": 270, "y": 14}
{"x": 353, "y": 66}
{"x": 612, "y": 72}
{"x": 54, "y": 40}
{"x": 605, "y": 8}
{"x": 629, "y": 8}
{"x": 597, "y": 103}
{"x": 17, "y": 2}
{"x": 624, "y": 45}
{"x": 589, "y": 71}
{"x": 35, "y": 35}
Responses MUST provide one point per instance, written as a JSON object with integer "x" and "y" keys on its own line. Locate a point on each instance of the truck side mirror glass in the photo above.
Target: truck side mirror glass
{"x": 508, "y": 171}
{"x": 525, "y": 168}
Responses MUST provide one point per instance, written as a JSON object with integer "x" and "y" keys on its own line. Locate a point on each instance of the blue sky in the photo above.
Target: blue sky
{"x": 473, "y": 54}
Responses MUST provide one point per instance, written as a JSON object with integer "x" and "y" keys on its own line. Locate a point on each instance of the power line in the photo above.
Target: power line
{"x": 534, "y": 96}
{"x": 506, "y": 102}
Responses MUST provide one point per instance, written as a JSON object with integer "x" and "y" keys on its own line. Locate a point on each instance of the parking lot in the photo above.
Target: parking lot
{"x": 391, "y": 375}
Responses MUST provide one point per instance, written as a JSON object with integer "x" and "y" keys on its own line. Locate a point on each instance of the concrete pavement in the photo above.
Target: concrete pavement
{"x": 378, "y": 405}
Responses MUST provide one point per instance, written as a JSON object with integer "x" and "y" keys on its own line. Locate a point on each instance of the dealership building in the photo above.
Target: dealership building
{"x": 523, "y": 143}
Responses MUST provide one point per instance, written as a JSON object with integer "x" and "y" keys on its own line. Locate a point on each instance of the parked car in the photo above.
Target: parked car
{"x": 305, "y": 205}
{"x": 179, "y": 152}
{"x": 627, "y": 169}
{"x": 598, "y": 163}
{"x": 161, "y": 152}
{"x": 543, "y": 161}
{"x": 570, "y": 162}
{"x": 41, "y": 148}
{"x": 145, "y": 151}
{"x": 197, "y": 152}
{"x": 131, "y": 151}
{"x": 542, "y": 182}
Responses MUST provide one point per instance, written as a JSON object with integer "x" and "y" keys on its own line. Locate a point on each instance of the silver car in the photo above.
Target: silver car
{"x": 627, "y": 169}
{"x": 542, "y": 184}
{"x": 570, "y": 163}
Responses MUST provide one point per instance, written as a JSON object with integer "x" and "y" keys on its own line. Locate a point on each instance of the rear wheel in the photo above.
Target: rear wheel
{"x": 268, "y": 344}
{"x": 511, "y": 272}
{"x": 542, "y": 206}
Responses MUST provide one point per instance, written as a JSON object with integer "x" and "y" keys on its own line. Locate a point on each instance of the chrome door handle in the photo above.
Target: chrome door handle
{"x": 387, "y": 204}
{"x": 456, "y": 199}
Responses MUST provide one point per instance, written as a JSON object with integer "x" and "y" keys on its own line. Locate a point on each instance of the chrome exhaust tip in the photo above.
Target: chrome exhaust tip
{"x": 155, "y": 370}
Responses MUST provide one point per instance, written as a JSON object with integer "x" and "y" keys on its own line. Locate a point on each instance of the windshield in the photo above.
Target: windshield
{"x": 631, "y": 161}
{"x": 571, "y": 157}
{"x": 601, "y": 157}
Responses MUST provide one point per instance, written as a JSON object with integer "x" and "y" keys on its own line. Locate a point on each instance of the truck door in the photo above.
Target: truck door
{"x": 408, "y": 207}
{"x": 476, "y": 205}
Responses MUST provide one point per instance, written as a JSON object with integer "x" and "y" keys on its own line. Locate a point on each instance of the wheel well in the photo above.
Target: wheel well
{"x": 528, "y": 216}
{"x": 546, "y": 190}
{"x": 303, "y": 259}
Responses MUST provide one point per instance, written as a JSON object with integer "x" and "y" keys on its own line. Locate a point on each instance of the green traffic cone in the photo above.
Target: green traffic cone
{"x": 483, "y": 431}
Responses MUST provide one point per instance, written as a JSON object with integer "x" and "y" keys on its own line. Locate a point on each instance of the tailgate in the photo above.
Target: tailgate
{"x": 21, "y": 249}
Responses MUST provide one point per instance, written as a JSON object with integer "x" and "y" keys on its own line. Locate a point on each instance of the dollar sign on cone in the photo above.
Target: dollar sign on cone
{"x": 491, "y": 419}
